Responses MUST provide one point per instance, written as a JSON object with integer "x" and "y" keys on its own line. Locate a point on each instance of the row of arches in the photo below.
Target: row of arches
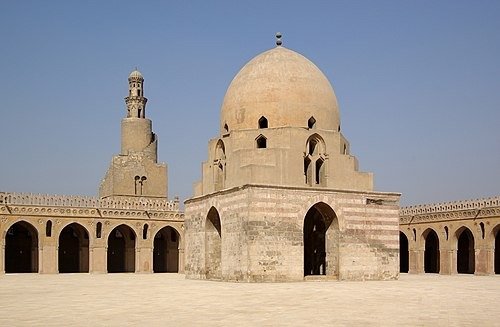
{"x": 464, "y": 245}
{"x": 22, "y": 243}
{"x": 320, "y": 237}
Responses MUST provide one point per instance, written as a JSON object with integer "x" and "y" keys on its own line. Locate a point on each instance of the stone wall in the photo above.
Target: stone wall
{"x": 262, "y": 229}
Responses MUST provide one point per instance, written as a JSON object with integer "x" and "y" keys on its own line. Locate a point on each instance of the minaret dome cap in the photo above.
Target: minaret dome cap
{"x": 135, "y": 75}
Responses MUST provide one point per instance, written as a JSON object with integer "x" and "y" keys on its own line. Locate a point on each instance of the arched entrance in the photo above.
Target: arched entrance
{"x": 166, "y": 251}
{"x": 213, "y": 245}
{"x": 21, "y": 248}
{"x": 497, "y": 252}
{"x": 73, "y": 249}
{"x": 465, "y": 252}
{"x": 121, "y": 250}
{"x": 431, "y": 253}
{"x": 404, "y": 261}
{"x": 320, "y": 241}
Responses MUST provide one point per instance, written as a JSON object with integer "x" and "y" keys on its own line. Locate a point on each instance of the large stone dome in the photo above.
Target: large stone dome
{"x": 283, "y": 86}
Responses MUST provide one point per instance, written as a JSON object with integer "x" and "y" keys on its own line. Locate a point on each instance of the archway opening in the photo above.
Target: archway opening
{"x": 21, "y": 248}
{"x": 121, "y": 250}
{"x": 497, "y": 252}
{"x": 431, "y": 253}
{"x": 465, "y": 252}
{"x": 166, "y": 251}
{"x": 320, "y": 241}
{"x": 73, "y": 249}
{"x": 213, "y": 245}
{"x": 404, "y": 261}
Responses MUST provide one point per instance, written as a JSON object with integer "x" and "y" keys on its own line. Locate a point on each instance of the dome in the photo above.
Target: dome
{"x": 136, "y": 75}
{"x": 284, "y": 87}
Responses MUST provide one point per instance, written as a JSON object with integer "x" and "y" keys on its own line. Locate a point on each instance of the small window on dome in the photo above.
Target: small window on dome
{"x": 261, "y": 142}
{"x": 311, "y": 123}
{"x": 226, "y": 128}
{"x": 339, "y": 128}
{"x": 263, "y": 122}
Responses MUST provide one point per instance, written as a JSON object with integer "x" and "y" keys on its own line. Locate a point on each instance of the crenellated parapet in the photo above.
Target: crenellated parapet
{"x": 466, "y": 209}
{"x": 86, "y": 206}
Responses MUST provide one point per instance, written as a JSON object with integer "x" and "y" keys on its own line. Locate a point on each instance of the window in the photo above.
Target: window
{"x": 311, "y": 123}
{"x": 263, "y": 122}
{"x": 98, "y": 230}
{"x": 139, "y": 184}
{"x": 319, "y": 171}
{"x": 261, "y": 142}
{"x": 48, "y": 228}
{"x": 226, "y": 128}
{"x": 145, "y": 232}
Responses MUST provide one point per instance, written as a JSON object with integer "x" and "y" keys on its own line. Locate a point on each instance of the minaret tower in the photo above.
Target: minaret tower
{"x": 136, "y": 171}
{"x": 136, "y": 102}
{"x": 137, "y": 135}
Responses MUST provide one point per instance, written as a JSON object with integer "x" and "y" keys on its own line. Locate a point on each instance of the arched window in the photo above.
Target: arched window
{"x": 263, "y": 122}
{"x": 145, "y": 232}
{"x": 261, "y": 142}
{"x": 98, "y": 230}
{"x": 219, "y": 165}
{"x": 319, "y": 171}
{"x": 48, "y": 228}
{"x": 226, "y": 128}
{"x": 315, "y": 161}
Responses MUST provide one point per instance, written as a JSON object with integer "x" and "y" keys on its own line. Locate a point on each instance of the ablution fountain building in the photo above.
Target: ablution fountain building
{"x": 280, "y": 199}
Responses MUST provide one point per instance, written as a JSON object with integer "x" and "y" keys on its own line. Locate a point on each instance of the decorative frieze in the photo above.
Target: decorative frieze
{"x": 27, "y": 204}
{"x": 458, "y": 210}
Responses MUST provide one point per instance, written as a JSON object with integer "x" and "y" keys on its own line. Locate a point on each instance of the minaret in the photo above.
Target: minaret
{"x": 137, "y": 135}
{"x": 136, "y": 171}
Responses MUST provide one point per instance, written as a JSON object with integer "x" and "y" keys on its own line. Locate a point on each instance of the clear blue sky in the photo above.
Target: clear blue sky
{"x": 418, "y": 84}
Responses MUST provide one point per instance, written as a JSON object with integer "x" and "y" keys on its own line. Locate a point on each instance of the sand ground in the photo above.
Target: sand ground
{"x": 171, "y": 300}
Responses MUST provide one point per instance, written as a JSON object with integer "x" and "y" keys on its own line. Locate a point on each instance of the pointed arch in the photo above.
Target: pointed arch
{"x": 213, "y": 245}
{"x": 315, "y": 145}
{"x": 404, "y": 262}
{"x": 21, "y": 248}
{"x": 166, "y": 250}
{"x": 465, "y": 251}
{"x": 315, "y": 161}
{"x": 121, "y": 249}
{"x": 261, "y": 142}
{"x": 321, "y": 241}
{"x": 496, "y": 247}
{"x": 73, "y": 249}
{"x": 263, "y": 122}
{"x": 219, "y": 166}
{"x": 431, "y": 251}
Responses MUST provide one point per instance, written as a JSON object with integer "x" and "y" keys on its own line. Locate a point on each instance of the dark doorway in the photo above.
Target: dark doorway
{"x": 497, "y": 252}
{"x": 318, "y": 256}
{"x": 213, "y": 245}
{"x": 121, "y": 250}
{"x": 404, "y": 261}
{"x": 166, "y": 251}
{"x": 21, "y": 248}
{"x": 431, "y": 253}
{"x": 73, "y": 249}
{"x": 465, "y": 252}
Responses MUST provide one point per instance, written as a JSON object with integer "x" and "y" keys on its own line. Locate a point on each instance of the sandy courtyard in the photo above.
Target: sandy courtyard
{"x": 169, "y": 299}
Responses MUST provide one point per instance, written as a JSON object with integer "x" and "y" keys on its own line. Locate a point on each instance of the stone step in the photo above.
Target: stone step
{"x": 320, "y": 278}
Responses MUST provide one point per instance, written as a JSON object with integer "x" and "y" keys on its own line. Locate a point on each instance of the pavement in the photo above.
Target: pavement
{"x": 171, "y": 300}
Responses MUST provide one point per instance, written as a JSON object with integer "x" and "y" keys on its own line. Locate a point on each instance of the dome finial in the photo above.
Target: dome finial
{"x": 278, "y": 39}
